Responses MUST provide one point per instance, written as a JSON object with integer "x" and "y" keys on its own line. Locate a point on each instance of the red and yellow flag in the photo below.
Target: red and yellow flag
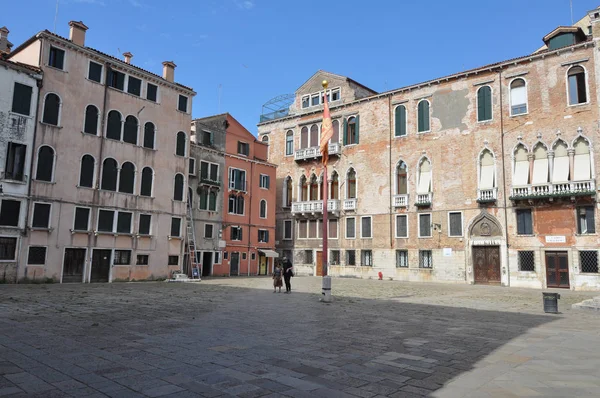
{"x": 326, "y": 131}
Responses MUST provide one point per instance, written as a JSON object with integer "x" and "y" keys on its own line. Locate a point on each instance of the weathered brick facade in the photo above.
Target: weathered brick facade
{"x": 486, "y": 246}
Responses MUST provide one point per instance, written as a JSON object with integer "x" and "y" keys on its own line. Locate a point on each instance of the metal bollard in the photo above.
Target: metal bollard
{"x": 326, "y": 289}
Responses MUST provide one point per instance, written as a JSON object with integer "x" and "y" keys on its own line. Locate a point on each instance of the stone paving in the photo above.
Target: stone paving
{"x": 234, "y": 337}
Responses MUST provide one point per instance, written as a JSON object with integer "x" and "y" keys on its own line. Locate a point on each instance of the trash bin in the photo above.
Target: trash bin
{"x": 551, "y": 302}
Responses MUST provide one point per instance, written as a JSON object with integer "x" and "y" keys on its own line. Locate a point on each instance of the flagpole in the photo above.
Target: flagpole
{"x": 326, "y": 132}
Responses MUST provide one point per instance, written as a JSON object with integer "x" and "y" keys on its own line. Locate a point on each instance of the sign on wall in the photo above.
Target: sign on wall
{"x": 556, "y": 239}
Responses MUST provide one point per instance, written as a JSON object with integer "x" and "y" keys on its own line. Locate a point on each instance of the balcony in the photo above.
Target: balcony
{"x": 314, "y": 153}
{"x": 208, "y": 181}
{"x": 400, "y": 200}
{"x": 315, "y": 206}
{"x": 424, "y": 199}
{"x": 554, "y": 190}
{"x": 489, "y": 195}
{"x": 350, "y": 204}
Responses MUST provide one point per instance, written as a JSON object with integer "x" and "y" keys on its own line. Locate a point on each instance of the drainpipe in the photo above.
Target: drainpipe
{"x": 250, "y": 213}
{"x": 504, "y": 173}
{"x": 391, "y": 178}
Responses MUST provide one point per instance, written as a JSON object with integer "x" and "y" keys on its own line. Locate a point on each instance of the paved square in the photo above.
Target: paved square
{"x": 234, "y": 337}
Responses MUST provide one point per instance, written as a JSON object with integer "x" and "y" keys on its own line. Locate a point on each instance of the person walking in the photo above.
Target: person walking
{"x": 277, "y": 273}
{"x": 288, "y": 273}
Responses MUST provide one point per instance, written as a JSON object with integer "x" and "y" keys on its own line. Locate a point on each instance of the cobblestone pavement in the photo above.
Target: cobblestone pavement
{"x": 234, "y": 337}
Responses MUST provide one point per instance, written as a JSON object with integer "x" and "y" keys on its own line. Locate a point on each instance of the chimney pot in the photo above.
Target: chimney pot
{"x": 169, "y": 71}
{"x": 128, "y": 57}
{"x": 77, "y": 32}
{"x": 5, "y": 45}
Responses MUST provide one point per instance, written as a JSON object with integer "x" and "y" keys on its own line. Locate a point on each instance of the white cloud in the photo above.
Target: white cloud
{"x": 245, "y": 4}
{"x": 136, "y": 3}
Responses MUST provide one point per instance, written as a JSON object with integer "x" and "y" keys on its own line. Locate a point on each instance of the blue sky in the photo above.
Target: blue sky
{"x": 258, "y": 49}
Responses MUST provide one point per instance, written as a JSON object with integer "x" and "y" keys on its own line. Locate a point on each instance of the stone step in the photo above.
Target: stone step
{"x": 590, "y": 305}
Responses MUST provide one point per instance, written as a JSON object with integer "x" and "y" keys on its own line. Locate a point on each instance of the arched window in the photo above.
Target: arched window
{"x": 314, "y": 135}
{"x": 484, "y": 104}
{"x": 560, "y": 167}
{"x": 577, "y": 85}
{"x": 180, "y": 150}
{"x": 582, "y": 164}
{"x": 521, "y": 169}
{"x": 263, "y": 209}
{"x": 540, "y": 164}
{"x": 147, "y": 177}
{"x": 335, "y": 138}
{"x": 91, "y": 120}
{"x": 109, "y": 175}
{"x": 287, "y": 192}
{"x": 178, "y": 187}
{"x": 289, "y": 143}
{"x": 351, "y": 184}
{"x": 51, "y": 109}
{"x": 212, "y": 200}
{"x": 351, "y": 131}
{"x": 127, "y": 177}
{"x": 86, "y": 172}
{"x": 130, "y": 132}
{"x": 113, "y": 125}
{"x": 314, "y": 188}
{"x": 45, "y": 164}
{"x": 400, "y": 116}
{"x": 518, "y": 97}
{"x": 149, "y": 130}
{"x": 423, "y": 116}
{"x": 265, "y": 139}
{"x": 303, "y": 189}
{"x": 424, "y": 184}
{"x": 401, "y": 178}
{"x": 304, "y": 138}
{"x": 335, "y": 186}
{"x": 486, "y": 172}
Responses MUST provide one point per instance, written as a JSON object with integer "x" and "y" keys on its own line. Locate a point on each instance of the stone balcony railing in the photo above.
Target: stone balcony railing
{"x": 400, "y": 200}
{"x": 487, "y": 195}
{"x": 424, "y": 199}
{"x": 554, "y": 190}
{"x": 315, "y": 206}
{"x": 349, "y": 204}
{"x": 313, "y": 152}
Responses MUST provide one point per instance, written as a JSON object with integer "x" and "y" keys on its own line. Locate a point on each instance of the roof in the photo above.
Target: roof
{"x": 564, "y": 29}
{"x": 117, "y": 60}
{"x": 339, "y": 77}
{"x": 19, "y": 65}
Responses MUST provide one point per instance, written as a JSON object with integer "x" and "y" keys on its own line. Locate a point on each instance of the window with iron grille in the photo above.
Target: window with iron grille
{"x": 8, "y": 247}
{"x": 526, "y": 261}
{"x": 142, "y": 259}
{"x": 588, "y": 261}
{"x": 122, "y": 257}
{"x": 585, "y": 220}
{"x": 401, "y": 258}
{"x": 36, "y": 255}
{"x": 335, "y": 257}
{"x": 308, "y": 257}
{"x": 366, "y": 258}
{"x": 425, "y": 259}
{"x": 173, "y": 260}
{"x": 455, "y": 224}
{"x": 351, "y": 258}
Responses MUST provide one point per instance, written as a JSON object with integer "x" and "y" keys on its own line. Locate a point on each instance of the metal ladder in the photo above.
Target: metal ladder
{"x": 191, "y": 242}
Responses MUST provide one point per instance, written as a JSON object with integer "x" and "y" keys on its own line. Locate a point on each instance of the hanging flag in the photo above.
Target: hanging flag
{"x": 326, "y": 128}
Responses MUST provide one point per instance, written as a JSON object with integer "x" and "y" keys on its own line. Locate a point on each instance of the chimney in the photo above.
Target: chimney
{"x": 127, "y": 57}
{"x": 169, "y": 71}
{"x": 5, "y": 45}
{"x": 77, "y": 33}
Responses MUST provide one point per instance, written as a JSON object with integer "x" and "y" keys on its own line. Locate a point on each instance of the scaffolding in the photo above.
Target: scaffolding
{"x": 277, "y": 107}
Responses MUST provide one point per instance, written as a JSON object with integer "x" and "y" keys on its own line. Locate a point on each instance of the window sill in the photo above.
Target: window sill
{"x": 349, "y": 145}
{"x": 90, "y": 134}
{"x": 121, "y": 265}
{"x": 36, "y": 265}
{"x": 576, "y": 105}
{"x": 183, "y": 112}
{"x": 146, "y": 197}
{"x": 41, "y": 229}
{"x": 11, "y": 181}
{"x": 8, "y": 261}
{"x": 583, "y": 235}
{"x": 140, "y": 236}
{"x": 424, "y": 132}
{"x": 366, "y": 237}
{"x": 55, "y": 68}
{"x": 80, "y": 231}
{"x": 82, "y": 187}
{"x": 350, "y": 238}
{"x": 425, "y": 237}
{"x": 11, "y": 113}
{"x": 174, "y": 237}
{"x": 115, "y": 234}
{"x": 589, "y": 273}
{"x": 401, "y": 237}
{"x": 400, "y": 136}
{"x": 45, "y": 182}
{"x": 141, "y": 265}
{"x": 456, "y": 236}
{"x": 520, "y": 114}
{"x": 15, "y": 227}
{"x": 485, "y": 121}
{"x": 50, "y": 125}
{"x": 94, "y": 81}
{"x": 526, "y": 236}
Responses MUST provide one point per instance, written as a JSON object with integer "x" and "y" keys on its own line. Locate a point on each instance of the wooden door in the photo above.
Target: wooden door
{"x": 206, "y": 263}
{"x": 100, "y": 265}
{"x": 319, "y": 263}
{"x": 262, "y": 260}
{"x": 73, "y": 265}
{"x": 486, "y": 263}
{"x": 234, "y": 266}
{"x": 557, "y": 270}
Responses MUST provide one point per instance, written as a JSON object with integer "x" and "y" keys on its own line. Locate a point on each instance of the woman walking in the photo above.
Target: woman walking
{"x": 277, "y": 278}
{"x": 288, "y": 272}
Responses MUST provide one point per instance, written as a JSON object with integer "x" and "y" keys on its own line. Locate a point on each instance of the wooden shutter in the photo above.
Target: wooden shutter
{"x": 345, "y": 131}
{"x": 357, "y": 129}
{"x": 589, "y": 218}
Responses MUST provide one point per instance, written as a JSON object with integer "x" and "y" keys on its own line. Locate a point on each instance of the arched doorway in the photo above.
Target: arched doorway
{"x": 487, "y": 246}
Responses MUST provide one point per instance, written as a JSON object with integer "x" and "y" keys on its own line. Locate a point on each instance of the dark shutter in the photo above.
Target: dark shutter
{"x": 425, "y": 225}
{"x": 51, "y": 109}
{"x": 357, "y": 129}
{"x": 95, "y": 72}
{"x": 203, "y": 171}
{"x": 56, "y": 58}
{"x": 134, "y": 86}
{"x": 266, "y": 236}
{"x": 151, "y": 92}
{"x": 131, "y": 130}
{"x": 345, "y": 131}
{"x": 183, "y": 103}
{"x": 178, "y": 187}
{"x": 590, "y": 222}
{"x": 9, "y": 212}
{"x": 86, "y": 174}
{"x": 41, "y": 215}
{"x": 106, "y": 219}
{"x": 400, "y": 121}
{"x": 45, "y": 163}
{"x": 149, "y": 135}
{"x": 203, "y": 198}
{"x": 124, "y": 222}
{"x": 175, "y": 226}
{"x": 401, "y": 227}
{"x": 91, "y": 120}
{"x": 212, "y": 201}
{"x": 15, "y": 161}
{"x": 109, "y": 175}
{"x": 520, "y": 223}
{"x": 146, "y": 188}
{"x": 144, "y": 228}
{"x": 126, "y": 178}
{"x": 180, "y": 149}
{"x": 113, "y": 125}
{"x": 22, "y": 99}
{"x": 192, "y": 166}
{"x": 82, "y": 216}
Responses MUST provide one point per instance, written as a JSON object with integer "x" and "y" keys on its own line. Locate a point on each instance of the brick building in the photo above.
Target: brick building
{"x": 483, "y": 176}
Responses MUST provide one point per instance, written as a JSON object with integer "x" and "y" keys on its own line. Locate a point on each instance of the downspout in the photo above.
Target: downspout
{"x": 250, "y": 213}
{"x": 504, "y": 173}
{"x": 391, "y": 178}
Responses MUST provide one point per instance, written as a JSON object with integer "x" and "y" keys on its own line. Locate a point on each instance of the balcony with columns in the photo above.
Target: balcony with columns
{"x": 554, "y": 190}
{"x": 400, "y": 200}
{"x": 310, "y": 202}
{"x": 424, "y": 199}
{"x": 335, "y": 149}
{"x": 487, "y": 195}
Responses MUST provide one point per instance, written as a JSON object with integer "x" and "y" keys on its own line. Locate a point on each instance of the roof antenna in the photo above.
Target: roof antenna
{"x": 55, "y": 16}
{"x": 571, "y": 3}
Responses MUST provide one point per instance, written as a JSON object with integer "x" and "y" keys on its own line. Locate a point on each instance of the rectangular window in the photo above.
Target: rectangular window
{"x": 425, "y": 259}
{"x": 252, "y": 256}
{"x": 524, "y": 222}
{"x": 264, "y": 181}
{"x": 401, "y": 258}
{"x": 365, "y": 230}
{"x": 351, "y": 258}
{"x": 208, "y": 230}
{"x": 41, "y": 215}
{"x": 21, "y": 101}
{"x": 175, "y": 226}
{"x": 263, "y": 236}
{"x": 455, "y": 224}
{"x": 366, "y": 258}
{"x": 225, "y": 255}
{"x": 287, "y": 229}
{"x": 312, "y": 229}
{"x": 82, "y": 219}
{"x": 237, "y": 179}
{"x": 95, "y": 72}
{"x": 350, "y": 228}
{"x": 134, "y": 86}
{"x": 402, "y": 226}
{"x": 586, "y": 223}
{"x": 588, "y": 261}
{"x": 106, "y": 219}
{"x": 36, "y": 255}
{"x": 15, "y": 161}
{"x": 9, "y": 213}
{"x": 289, "y": 144}
{"x": 236, "y": 233}
{"x": 115, "y": 79}
{"x": 424, "y": 225}
{"x": 56, "y": 58}
{"x": 335, "y": 95}
{"x": 124, "y": 222}
{"x": 142, "y": 259}
{"x": 173, "y": 260}
{"x": 308, "y": 257}
{"x": 144, "y": 226}
{"x": 315, "y": 99}
{"x": 305, "y": 101}
{"x": 122, "y": 257}
{"x": 209, "y": 171}
{"x": 335, "y": 257}
{"x": 243, "y": 148}
{"x": 183, "y": 103}
{"x": 192, "y": 167}
{"x": 526, "y": 261}
{"x": 217, "y": 258}
{"x": 8, "y": 248}
{"x": 244, "y": 256}
{"x": 151, "y": 92}
{"x": 332, "y": 229}
{"x": 206, "y": 138}
{"x": 302, "y": 229}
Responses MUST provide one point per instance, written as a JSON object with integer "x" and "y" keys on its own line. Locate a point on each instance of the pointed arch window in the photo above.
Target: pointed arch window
{"x": 314, "y": 188}
{"x": 540, "y": 165}
{"x": 401, "y": 178}
{"x": 86, "y": 173}
{"x": 180, "y": 150}
{"x": 127, "y": 178}
{"x": 521, "y": 169}
{"x": 577, "y": 85}
{"x": 304, "y": 138}
{"x": 109, "y": 175}
{"x": 335, "y": 186}
{"x": 51, "y": 109}
{"x": 351, "y": 184}
{"x": 149, "y": 131}
{"x": 45, "y": 164}
{"x": 303, "y": 189}
{"x": 424, "y": 184}
{"x": 582, "y": 164}
{"x": 113, "y": 125}
{"x": 400, "y": 121}
{"x": 287, "y": 192}
{"x": 178, "y": 187}
{"x": 423, "y": 116}
{"x": 335, "y": 138}
{"x": 560, "y": 167}
{"x": 484, "y": 104}
{"x": 91, "y": 120}
{"x": 263, "y": 209}
{"x": 130, "y": 132}
{"x": 351, "y": 130}
{"x": 147, "y": 181}
{"x": 314, "y": 135}
{"x": 486, "y": 174}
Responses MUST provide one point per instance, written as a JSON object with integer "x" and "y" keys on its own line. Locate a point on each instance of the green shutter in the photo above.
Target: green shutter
{"x": 400, "y": 130}
{"x": 357, "y": 129}
{"x": 488, "y": 103}
{"x": 203, "y": 197}
{"x": 480, "y": 105}
{"x": 203, "y": 170}
{"x": 212, "y": 138}
{"x": 423, "y": 111}
{"x": 212, "y": 201}
{"x": 345, "y": 131}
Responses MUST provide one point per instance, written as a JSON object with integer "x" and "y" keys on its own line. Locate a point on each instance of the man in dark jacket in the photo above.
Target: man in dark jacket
{"x": 288, "y": 272}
